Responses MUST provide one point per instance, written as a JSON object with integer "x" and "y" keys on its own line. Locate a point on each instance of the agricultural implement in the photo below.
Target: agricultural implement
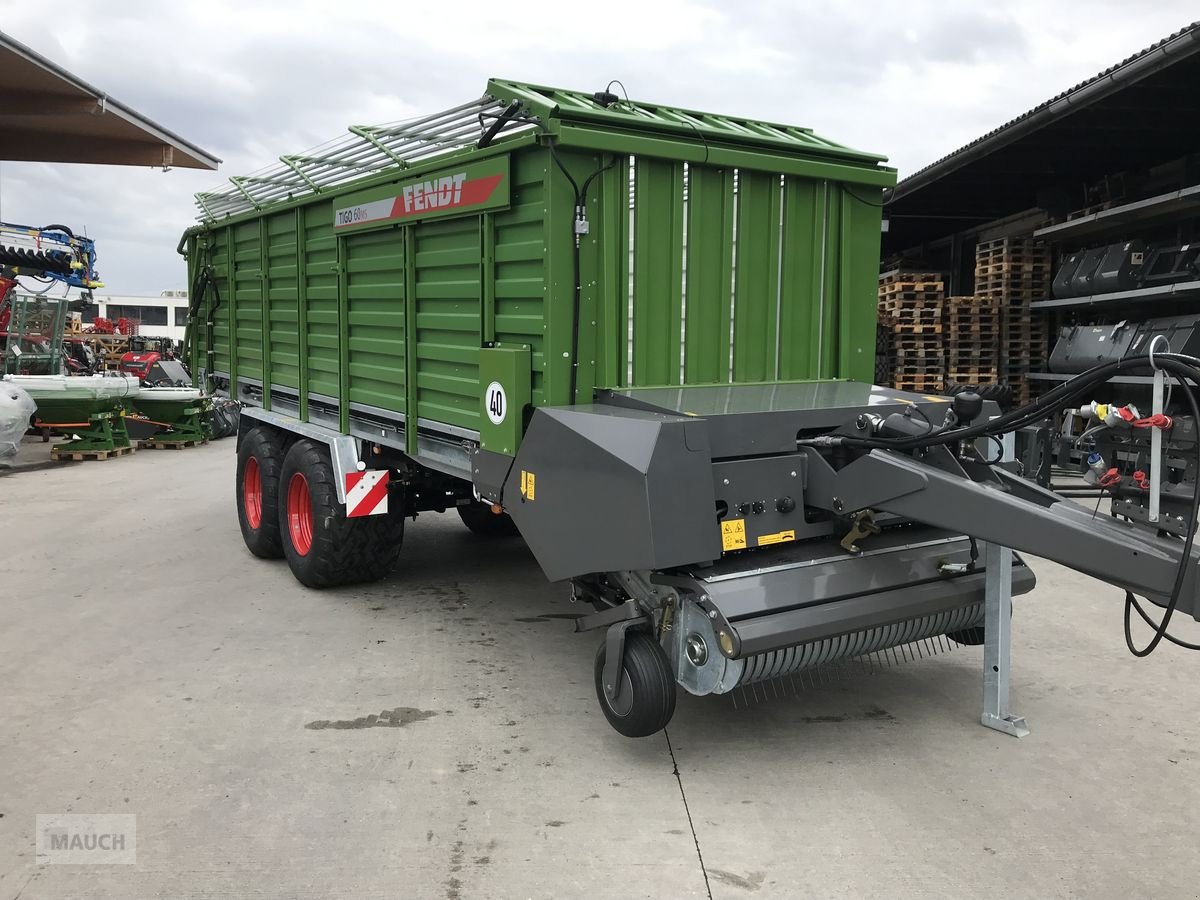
{"x": 642, "y": 337}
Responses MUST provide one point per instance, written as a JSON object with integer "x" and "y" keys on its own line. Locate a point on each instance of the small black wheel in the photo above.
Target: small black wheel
{"x": 971, "y": 637}
{"x": 485, "y": 523}
{"x": 323, "y": 547}
{"x": 260, "y": 459}
{"x": 968, "y": 637}
{"x": 646, "y": 701}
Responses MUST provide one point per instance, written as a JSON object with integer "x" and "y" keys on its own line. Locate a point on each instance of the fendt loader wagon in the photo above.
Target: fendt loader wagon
{"x": 643, "y": 338}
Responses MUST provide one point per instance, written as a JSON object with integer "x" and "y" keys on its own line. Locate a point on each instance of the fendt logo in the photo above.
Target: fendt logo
{"x": 434, "y": 194}
{"x": 419, "y": 199}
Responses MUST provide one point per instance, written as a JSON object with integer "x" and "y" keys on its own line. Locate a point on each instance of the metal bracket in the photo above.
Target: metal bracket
{"x": 997, "y": 633}
{"x": 997, "y": 642}
{"x": 626, "y": 612}
{"x": 614, "y": 656}
{"x": 862, "y": 525}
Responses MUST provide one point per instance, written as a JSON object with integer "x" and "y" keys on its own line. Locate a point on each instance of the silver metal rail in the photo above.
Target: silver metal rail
{"x": 364, "y": 150}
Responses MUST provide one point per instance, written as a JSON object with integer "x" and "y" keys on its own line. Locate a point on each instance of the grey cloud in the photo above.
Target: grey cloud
{"x": 250, "y": 82}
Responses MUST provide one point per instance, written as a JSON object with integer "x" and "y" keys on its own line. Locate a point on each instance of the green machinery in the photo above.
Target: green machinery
{"x": 182, "y": 415}
{"x": 642, "y": 336}
{"x": 89, "y": 409}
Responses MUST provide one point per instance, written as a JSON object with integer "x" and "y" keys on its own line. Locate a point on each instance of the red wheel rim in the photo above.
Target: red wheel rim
{"x": 252, "y": 493}
{"x": 299, "y": 513}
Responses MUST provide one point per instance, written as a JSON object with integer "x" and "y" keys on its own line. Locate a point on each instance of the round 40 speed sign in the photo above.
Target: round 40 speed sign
{"x": 495, "y": 402}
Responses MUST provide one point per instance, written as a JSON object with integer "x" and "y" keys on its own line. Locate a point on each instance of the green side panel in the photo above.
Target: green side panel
{"x": 657, "y": 271}
{"x": 801, "y": 336}
{"x": 859, "y": 242}
{"x": 708, "y": 286}
{"x": 247, "y": 299}
{"x": 218, "y": 256}
{"x": 519, "y": 270}
{"x": 756, "y": 278}
{"x": 504, "y": 395}
{"x": 447, "y": 326}
{"x": 282, "y": 314}
{"x": 375, "y": 287}
{"x": 831, "y": 287}
{"x": 610, "y": 235}
{"x": 321, "y": 282}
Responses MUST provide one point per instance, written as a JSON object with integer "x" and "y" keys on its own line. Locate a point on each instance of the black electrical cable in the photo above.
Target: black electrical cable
{"x": 1181, "y": 367}
{"x": 1130, "y": 600}
{"x": 880, "y": 205}
{"x": 577, "y": 298}
{"x": 1160, "y": 630}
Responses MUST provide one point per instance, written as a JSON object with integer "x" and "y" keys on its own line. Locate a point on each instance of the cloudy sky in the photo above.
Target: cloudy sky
{"x": 247, "y": 81}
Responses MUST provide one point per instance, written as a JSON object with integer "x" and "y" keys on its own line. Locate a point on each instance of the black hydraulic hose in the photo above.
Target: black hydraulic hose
{"x": 501, "y": 120}
{"x": 577, "y": 293}
{"x": 1179, "y": 366}
{"x": 1160, "y": 630}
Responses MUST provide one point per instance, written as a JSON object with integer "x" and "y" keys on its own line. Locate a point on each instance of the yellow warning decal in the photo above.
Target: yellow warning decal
{"x": 733, "y": 534}
{"x": 779, "y": 537}
{"x": 528, "y": 485}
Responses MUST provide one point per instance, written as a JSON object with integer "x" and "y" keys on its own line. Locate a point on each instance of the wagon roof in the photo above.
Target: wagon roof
{"x": 509, "y": 108}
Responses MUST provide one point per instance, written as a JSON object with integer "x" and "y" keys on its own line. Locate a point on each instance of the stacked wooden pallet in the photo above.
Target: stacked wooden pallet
{"x": 1014, "y": 272}
{"x": 912, "y": 311}
{"x": 973, "y": 331}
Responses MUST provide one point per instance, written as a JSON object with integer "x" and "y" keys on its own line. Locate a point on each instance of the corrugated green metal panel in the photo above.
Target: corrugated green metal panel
{"x": 217, "y": 256}
{"x": 859, "y": 243}
{"x": 756, "y": 279}
{"x": 321, "y": 280}
{"x": 657, "y": 271}
{"x": 520, "y": 265}
{"x": 281, "y": 296}
{"x": 831, "y": 288}
{"x": 710, "y": 205}
{"x": 375, "y": 282}
{"x": 801, "y": 339}
{"x": 447, "y": 327}
{"x": 247, "y": 299}
{"x": 611, "y": 234}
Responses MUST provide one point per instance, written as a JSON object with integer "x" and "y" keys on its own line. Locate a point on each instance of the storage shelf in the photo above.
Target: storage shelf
{"x": 1141, "y": 212}
{"x": 1181, "y": 290}
{"x": 1116, "y": 379}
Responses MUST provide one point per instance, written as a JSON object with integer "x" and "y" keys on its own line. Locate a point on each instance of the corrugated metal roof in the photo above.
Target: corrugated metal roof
{"x": 1181, "y": 38}
{"x": 49, "y": 115}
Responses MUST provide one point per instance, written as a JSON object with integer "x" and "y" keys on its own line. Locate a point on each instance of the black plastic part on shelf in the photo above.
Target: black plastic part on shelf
{"x": 1189, "y": 289}
{"x": 1163, "y": 207}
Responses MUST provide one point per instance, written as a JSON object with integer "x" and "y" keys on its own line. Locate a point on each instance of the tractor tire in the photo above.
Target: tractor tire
{"x": 323, "y": 547}
{"x": 647, "y": 699}
{"x": 259, "y": 461}
{"x": 485, "y": 523}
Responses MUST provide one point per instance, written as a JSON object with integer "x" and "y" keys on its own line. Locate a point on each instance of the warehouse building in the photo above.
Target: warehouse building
{"x": 1069, "y": 226}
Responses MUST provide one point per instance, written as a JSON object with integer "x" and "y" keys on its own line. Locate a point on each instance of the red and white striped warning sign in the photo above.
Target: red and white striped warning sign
{"x": 366, "y": 493}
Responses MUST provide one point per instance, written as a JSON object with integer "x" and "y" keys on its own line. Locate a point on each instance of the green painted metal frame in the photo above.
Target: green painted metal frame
{"x": 748, "y": 254}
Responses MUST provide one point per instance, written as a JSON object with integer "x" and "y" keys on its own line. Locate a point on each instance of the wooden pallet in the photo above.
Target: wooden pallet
{"x": 63, "y": 455}
{"x": 153, "y": 444}
{"x": 917, "y": 328}
{"x": 903, "y": 276}
{"x": 920, "y": 387}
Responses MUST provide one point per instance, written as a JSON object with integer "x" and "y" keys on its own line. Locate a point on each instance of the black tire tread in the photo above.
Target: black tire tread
{"x": 653, "y": 685}
{"x": 269, "y": 448}
{"x": 344, "y": 551}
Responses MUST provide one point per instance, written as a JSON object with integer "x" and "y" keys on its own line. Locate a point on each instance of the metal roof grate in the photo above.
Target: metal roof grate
{"x": 362, "y": 151}
{"x": 368, "y": 150}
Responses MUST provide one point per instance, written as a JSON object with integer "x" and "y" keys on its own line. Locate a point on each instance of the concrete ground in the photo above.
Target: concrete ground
{"x": 149, "y": 665}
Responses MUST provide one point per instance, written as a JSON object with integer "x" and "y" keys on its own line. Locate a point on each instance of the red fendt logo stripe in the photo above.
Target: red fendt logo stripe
{"x": 422, "y": 198}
